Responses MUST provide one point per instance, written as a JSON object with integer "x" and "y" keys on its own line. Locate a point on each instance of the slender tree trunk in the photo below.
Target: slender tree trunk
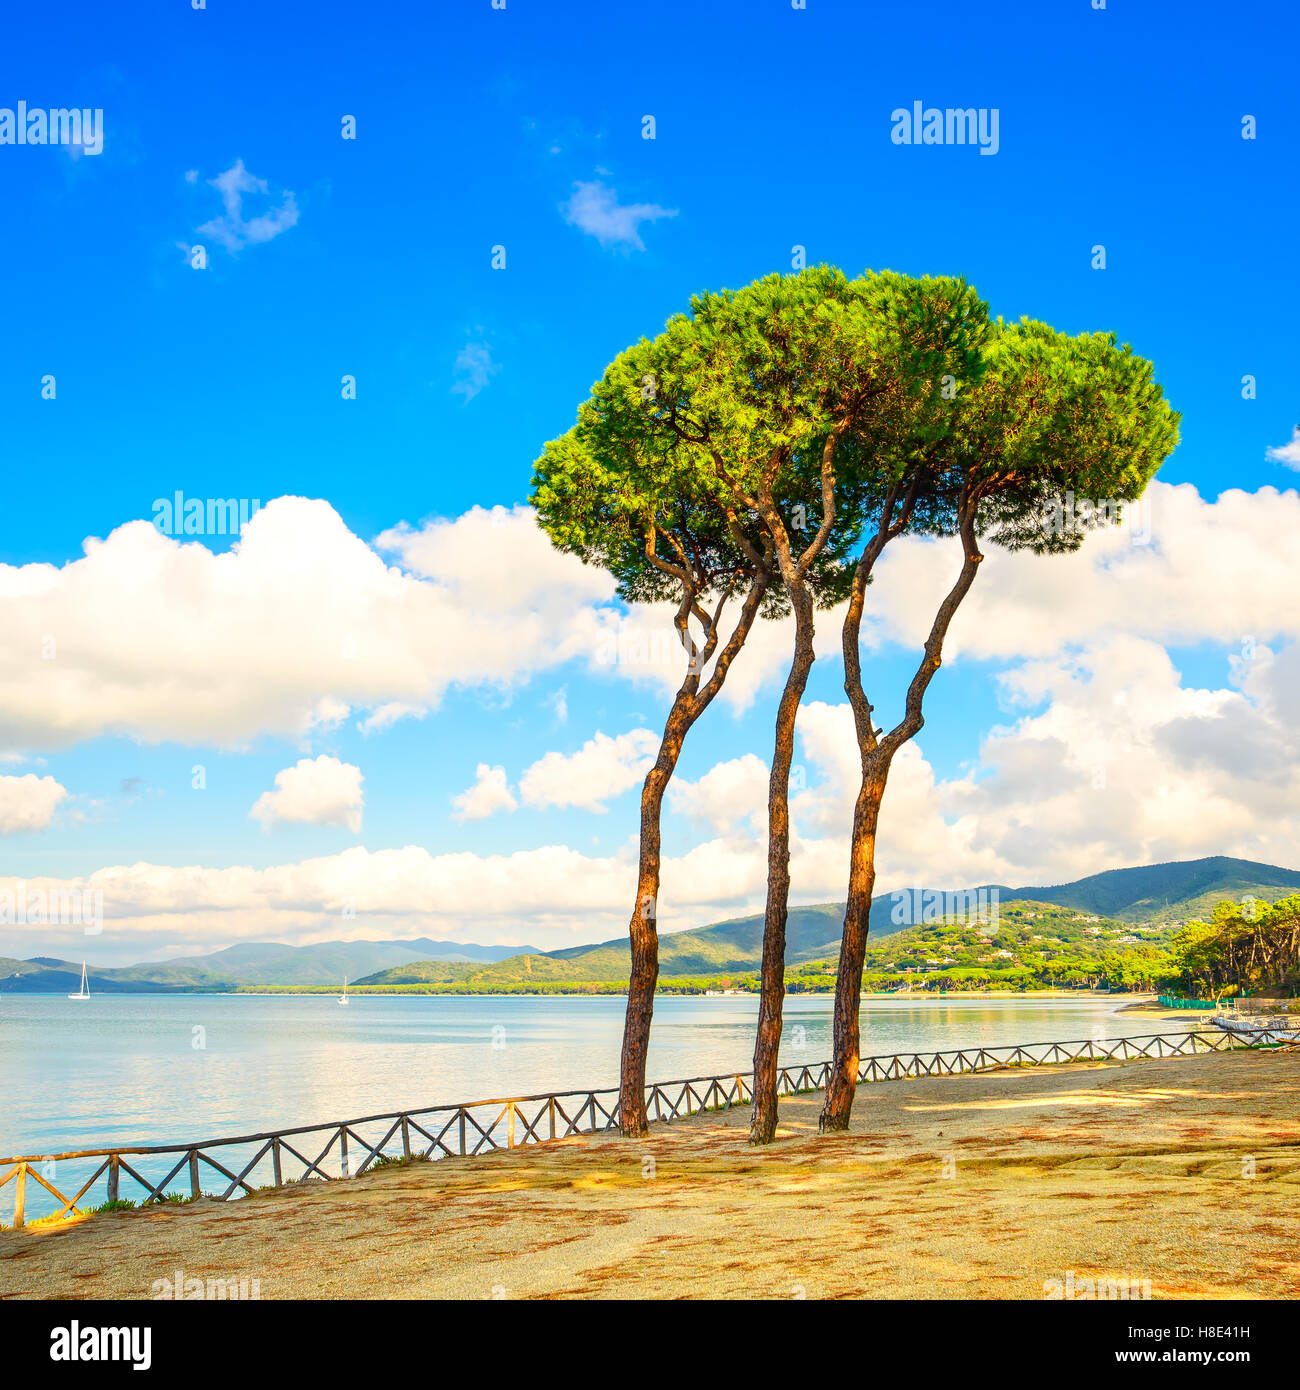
{"x": 691, "y": 702}
{"x": 877, "y": 756}
{"x": 762, "y": 1124}
{"x": 644, "y": 931}
{"x": 848, "y": 979}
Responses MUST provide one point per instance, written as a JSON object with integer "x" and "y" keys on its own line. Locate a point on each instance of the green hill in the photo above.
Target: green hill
{"x": 1031, "y": 944}
{"x": 1169, "y": 893}
{"x": 1155, "y": 895}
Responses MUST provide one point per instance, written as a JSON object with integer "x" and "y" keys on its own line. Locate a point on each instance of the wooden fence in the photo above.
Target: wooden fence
{"x": 255, "y": 1161}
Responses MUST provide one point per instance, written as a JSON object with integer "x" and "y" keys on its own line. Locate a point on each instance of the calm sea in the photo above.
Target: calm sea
{"x": 148, "y": 1069}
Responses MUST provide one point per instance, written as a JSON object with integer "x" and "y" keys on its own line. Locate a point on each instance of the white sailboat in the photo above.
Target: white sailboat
{"x": 84, "y": 992}
{"x": 343, "y": 998}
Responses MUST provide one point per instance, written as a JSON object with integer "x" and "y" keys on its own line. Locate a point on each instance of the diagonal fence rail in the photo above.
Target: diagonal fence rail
{"x": 348, "y": 1148}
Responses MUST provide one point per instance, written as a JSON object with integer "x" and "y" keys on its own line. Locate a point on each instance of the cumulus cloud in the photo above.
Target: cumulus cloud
{"x": 233, "y": 229}
{"x": 731, "y": 795}
{"x": 553, "y": 895}
{"x": 595, "y": 209}
{"x": 602, "y": 768}
{"x": 315, "y": 791}
{"x": 1207, "y": 571}
{"x": 1288, "y": 453}
{"x": 155, "y": 641}
{"x": 1111, "y": 759}
{"x": 489, "y": 794}
{"x": 28, "y": 802}
{"x": 1108, "y": 755}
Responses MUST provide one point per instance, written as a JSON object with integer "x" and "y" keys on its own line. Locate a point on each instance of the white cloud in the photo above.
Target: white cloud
{"x": 233, "y": 229}
{"x": 1111, "y": 760}
{"x": 474, "y": 368}
{"x": 315, "y": 791}
{"x": 154, "y": 639}
{"x": 732, "y": 795}
{"x": 1212, "y": 571}
{"x": 1107, "y": 757}
{"x": 1114, "y": 761}
{"x": 28, "y": 802}
{"x": 489, "y": 794}
{"x": 1288, "y": 453}
{"x": 595, "y": 209}
{"x": 1127, "y": 764}
{"x": 552, "y": 894}
{"x": 602, "y": 768}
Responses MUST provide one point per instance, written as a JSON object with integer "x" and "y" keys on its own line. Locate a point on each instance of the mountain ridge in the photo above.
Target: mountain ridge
{"x": 813, "y": 930}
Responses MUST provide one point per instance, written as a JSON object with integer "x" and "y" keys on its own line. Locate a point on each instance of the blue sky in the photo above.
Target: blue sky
{"x": 524, "y": 128}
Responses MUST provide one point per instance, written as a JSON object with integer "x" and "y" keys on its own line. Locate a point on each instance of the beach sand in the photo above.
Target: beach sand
{"x": 983, "y": 1186}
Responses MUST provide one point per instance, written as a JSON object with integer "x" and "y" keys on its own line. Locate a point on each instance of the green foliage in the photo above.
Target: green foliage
{"x": 699, "y": 445}
{"x": 1056, "y": 414}
{"x": 1249, "y": 945}
{"x": 1043, "y": 415}
{"x": 1031, "y": 946}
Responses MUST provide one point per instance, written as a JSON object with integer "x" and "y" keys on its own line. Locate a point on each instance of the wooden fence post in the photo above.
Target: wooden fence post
{"x": 113, "y": 1164}
{"x": 195, "y": 1189}
{"x": 406, "y": 1139}
{"x": 20, "y": 1195}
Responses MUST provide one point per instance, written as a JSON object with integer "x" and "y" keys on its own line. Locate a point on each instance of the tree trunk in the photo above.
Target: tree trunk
{"x": 691, "y": 702}
{"x": 644, "y": 931}
{"x": 762, "y": 1124}
{"x": 877, "y": 757}
{"x": 843, "y": 1079}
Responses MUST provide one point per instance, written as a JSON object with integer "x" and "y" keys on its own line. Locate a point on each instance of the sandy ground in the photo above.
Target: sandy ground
{"x": 964, "y": 1187}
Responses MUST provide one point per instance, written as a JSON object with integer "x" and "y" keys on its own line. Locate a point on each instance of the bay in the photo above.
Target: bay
{"x": 151, "y": 1069}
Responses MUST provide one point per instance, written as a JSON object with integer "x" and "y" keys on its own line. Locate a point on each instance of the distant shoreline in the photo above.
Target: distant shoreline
{"x": 1133, "y": 1001}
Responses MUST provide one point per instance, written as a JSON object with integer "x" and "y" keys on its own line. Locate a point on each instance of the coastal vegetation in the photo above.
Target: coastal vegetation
{"x": 1248, "y": 946}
